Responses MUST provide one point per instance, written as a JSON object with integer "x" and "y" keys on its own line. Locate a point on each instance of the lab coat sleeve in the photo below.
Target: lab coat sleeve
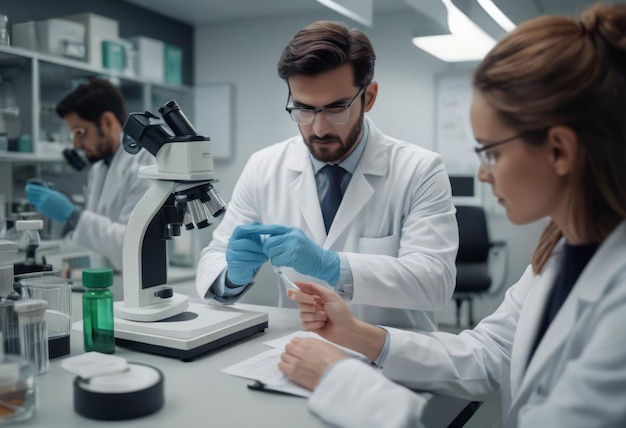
{"x": 353, "y": 394}
{"x": 423, "y": 275}
{"x": 591, "y": 390}
{"x": 468, "y": 365}
{"x": 241, "y": 209}
{"x": 105, "y": 235}
{"x": 102, "y": 235}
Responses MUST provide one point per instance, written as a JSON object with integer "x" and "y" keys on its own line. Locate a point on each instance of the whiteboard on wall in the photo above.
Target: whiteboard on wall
{"x": 213, "y": 117}
{"x": 453, "y": 132}
{"x": 454, "y": 139}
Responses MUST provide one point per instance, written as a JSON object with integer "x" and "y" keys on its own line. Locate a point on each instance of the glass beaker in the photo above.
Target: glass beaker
{"x": 57, "y": 292}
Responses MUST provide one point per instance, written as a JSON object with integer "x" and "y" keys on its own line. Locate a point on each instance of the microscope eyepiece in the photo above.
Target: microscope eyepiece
{"x": 176, "y": 119}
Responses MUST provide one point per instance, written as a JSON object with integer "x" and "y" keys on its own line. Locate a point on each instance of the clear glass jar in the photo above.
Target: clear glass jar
{"x": 17, "y": 388}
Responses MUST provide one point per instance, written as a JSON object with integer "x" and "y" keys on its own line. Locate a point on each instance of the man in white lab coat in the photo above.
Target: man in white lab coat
{"x": 94, "y": 112}
{"x": 390, "y": 249}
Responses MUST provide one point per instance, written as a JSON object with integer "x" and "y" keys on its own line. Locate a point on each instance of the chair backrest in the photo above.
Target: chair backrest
{"x": 474, "y": 241}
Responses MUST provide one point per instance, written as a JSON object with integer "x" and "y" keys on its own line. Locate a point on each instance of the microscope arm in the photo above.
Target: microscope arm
{"x": 145, "y": 261}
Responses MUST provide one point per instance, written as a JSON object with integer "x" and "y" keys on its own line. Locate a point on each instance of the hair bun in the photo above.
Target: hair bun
{"x": 608, "y": 22}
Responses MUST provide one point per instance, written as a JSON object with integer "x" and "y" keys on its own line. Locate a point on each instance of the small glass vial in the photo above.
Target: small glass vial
{"x": 33, "y": 332}
{"x": 98, "y": 330}
{"x": 17, "y": 388}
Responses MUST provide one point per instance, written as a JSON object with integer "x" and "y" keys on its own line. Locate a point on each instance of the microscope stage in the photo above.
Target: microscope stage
{"x": 202, "y": 328}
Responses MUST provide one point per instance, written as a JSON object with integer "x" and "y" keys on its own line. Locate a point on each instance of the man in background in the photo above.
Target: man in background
{"x": 94, "y": 113}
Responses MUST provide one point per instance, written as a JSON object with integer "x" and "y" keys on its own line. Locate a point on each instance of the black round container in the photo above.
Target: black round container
{"x": 115, "y": 406}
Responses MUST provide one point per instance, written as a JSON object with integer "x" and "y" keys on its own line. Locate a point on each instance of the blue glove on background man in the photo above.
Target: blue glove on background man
{"x": 244, "y": 255}
{"x": 49, "y": 202}
{"x": 289, "y": 246}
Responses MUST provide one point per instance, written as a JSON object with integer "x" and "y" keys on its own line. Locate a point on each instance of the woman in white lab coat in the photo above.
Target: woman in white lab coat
{"x": 548, "y": 113}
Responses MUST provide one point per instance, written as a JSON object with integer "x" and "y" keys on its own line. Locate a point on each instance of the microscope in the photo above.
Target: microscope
{"x": 152, "y": 318}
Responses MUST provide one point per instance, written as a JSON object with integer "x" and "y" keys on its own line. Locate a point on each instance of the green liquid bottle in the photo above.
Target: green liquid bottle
{"x": 98, "y": 310}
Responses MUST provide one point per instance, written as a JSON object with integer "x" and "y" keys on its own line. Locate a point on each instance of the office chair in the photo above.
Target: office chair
{"x": 473, "y": 277}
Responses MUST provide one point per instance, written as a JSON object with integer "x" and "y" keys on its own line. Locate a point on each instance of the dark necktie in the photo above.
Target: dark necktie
{"x": 332, "y": 199}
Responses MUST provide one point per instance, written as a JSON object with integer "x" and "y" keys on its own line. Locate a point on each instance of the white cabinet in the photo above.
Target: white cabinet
{"x": 36, "y": 83}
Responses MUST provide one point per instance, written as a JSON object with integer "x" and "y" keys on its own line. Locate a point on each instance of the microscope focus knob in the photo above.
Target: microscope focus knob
{"x": 164, "y": 293}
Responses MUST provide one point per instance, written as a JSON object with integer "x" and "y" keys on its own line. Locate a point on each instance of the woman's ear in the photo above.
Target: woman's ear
{"x": 564, "y": 148}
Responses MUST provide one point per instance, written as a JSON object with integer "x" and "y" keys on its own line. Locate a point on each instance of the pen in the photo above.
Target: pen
{"x": 257, "y": 385}
{"x": 287, "y": 280}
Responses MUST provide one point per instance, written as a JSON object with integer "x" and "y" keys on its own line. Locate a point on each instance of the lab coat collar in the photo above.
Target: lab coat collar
{"x": 589, "y": 288}
{"x": 374, "y": 161}
{"x": 370, "y": 162}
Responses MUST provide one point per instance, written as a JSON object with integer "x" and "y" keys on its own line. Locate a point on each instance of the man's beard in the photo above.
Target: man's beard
{"x": 104, "y": 150}
{"x": 335, "y": 154}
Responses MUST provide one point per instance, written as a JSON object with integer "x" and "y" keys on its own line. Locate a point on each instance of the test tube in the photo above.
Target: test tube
{"x": 33, "y": 332}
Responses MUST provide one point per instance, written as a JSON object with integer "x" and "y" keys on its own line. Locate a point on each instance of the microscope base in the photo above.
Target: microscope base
{"x": 201, "y": 329}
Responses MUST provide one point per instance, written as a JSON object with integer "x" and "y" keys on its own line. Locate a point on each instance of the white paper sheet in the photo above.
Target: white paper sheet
{"x": 280, "y": 342}
{"x": 264, "y": 368}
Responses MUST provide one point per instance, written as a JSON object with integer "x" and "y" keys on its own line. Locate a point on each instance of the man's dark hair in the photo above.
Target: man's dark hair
{"x": 325, "y": 45}
{"x": 93, "y": 98}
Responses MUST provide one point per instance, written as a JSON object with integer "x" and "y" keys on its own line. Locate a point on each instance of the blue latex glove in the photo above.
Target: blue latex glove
{"x": 289, "y": 246}
{"x": 49, "y": 202}
{"x": 244, "y": 255}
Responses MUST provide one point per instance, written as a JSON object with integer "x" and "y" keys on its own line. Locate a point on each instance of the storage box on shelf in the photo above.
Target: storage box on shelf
{"x": 149, "y": 58}
{"x": 41, "y": 80}
{"x": 61, "y": 37}
{"x": 97, "y": 29}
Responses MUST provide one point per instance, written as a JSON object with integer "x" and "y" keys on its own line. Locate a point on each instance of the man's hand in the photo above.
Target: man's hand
{"x": 49, "y": 202}
{"x": 289, "y": 246}
{"x": 244, "y": 255}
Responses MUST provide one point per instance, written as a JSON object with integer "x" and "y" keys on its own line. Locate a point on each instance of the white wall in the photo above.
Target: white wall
{"x": 245, "y": 53}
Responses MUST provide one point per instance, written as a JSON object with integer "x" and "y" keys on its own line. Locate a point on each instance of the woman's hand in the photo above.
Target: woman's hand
{"x": 322, "y": 311}
{"x": 306, "y": 360}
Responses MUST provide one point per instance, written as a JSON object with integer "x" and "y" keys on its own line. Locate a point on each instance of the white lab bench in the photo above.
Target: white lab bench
{"x": 197, "y": 393}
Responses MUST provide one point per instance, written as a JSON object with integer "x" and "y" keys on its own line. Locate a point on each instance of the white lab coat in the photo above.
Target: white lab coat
{"x": 576, "y": 378}
{"x": 396, "y": 225}
{"x": 112, "y": 193}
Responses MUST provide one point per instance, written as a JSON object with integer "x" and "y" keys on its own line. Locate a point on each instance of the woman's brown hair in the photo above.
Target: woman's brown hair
{"x": 555, "y": 70}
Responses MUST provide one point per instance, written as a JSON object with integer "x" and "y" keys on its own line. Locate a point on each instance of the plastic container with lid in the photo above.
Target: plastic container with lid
{"x": 31, "y": 316}
{"x": 98, "y": 330}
